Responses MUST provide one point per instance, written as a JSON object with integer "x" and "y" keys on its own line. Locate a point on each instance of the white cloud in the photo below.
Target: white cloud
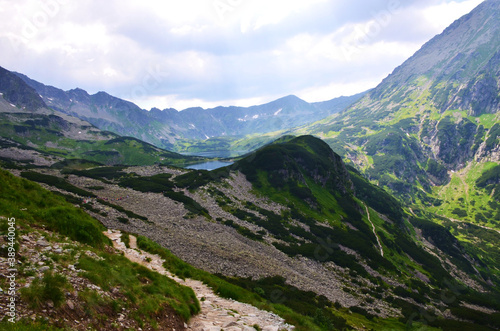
{"x": 204, "y": 53}
{"x": 442, "y": 15}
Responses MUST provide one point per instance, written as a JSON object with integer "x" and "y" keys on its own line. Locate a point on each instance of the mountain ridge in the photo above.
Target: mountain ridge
{"x": 174, "y": 129}
{"x": 302, "y": 221}
{"x": 433, "y": 123}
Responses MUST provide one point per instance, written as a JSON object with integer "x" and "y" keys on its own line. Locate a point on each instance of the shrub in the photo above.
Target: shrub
{"x": 49, "y": 288}
{"x": 56, "y": 182}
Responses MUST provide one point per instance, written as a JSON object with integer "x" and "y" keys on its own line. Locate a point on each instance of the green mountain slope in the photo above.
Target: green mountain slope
{"x": 434, "y": 115}
{"x": 27, "y": 124}
{"x": 333, "y": 204}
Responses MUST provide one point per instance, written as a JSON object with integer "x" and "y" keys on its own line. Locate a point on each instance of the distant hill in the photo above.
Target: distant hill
{"x": 171, "y": 129}
{"x": 32, "y": 132}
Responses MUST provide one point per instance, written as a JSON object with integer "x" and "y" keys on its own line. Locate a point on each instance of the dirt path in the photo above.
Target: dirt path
{"x": 216, "y": 313}
{"x": 374, "y": 232}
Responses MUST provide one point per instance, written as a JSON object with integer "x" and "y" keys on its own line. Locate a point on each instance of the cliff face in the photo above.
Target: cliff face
{"x": 482, "y": 94}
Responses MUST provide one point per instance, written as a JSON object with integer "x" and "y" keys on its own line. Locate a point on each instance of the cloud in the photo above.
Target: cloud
{"x": 197, "y": 52}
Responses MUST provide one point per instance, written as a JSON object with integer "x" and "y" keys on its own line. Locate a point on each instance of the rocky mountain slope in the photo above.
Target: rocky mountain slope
{"x": 436, "y": 114}
{"x": 292, "y": 217}
{"x": 178, "y": 130}
{"x": 67, "y": 275}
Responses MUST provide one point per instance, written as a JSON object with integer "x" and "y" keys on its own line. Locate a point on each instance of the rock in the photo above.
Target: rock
{"x": 44, "y": 268}
{"x": 70, "y": 304}
{"x": 42, "y": 243}
{"x": 270, "y": 328}
{"x": 50, "y": 304}
{"x": 228, "y": 325}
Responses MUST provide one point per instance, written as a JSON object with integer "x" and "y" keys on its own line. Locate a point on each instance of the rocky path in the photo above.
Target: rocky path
{"x": 216, "y": 313}
{"x": 374, "y": 232}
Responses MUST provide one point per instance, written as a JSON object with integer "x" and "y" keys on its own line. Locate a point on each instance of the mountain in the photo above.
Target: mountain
{"x": 178, "y": 130}
{"x": 290, "y": 228}
{"x": 292, "y": 225}
{"x": 459, "y": 68}
{"x": 433, "y": 121}
{"x": 16, "y": 92}
{"x": 32, "y": 132}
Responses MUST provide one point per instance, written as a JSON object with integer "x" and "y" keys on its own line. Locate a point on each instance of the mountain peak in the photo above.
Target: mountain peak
{"x": 297, "y": 161}
{"x": 452, "y": 59}
{"x": 291, "y": 99}
{"x": 17, "y": 92}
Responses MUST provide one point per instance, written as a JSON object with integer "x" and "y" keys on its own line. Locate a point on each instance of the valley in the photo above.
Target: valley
{"x": 377, "y": 211}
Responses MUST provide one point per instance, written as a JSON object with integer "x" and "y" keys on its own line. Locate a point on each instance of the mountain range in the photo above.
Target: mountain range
{"x": 433, "y": 121}
{"x": 382, "y": 214}
{"x": 172, "y": 129}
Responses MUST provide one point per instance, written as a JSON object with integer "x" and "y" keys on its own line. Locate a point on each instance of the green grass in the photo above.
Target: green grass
{"x": 464, "y": 199}
{"x": 25, "y": 325}
{"x": 225, "y": 288}
{"x": 27, "y": 200}
{"x": 146, "y": 292}
{"x": 50, "y": 287}
{"x": 145, "y": 288}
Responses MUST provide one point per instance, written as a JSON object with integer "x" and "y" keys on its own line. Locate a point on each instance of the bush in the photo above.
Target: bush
{"x": 56, "y": 182}
{"x": 49, "y": 288}
{"x": 459, "y": 212}
{"x": 75, "y": 224}
{"x": 190, "y": 204}
{"x": 158, "y": 183}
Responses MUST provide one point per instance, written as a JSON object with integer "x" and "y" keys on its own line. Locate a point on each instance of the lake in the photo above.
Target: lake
{"x": 211, "y": 165}
{"x": 220, "y": 154}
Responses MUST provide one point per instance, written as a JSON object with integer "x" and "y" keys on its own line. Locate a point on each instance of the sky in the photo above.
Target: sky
{"x": 205, "y": 53}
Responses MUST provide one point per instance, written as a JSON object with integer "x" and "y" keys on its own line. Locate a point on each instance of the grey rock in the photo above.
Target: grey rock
{"x": 44, "y": 268}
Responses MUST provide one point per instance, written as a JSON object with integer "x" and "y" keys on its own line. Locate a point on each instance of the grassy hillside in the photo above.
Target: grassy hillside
{"x": 53, "y": 135}
{"x": 324, "y": 200}
{"x": 45, "y": 224}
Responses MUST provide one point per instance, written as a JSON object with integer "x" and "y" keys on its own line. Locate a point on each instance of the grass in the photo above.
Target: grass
{"x": 27, "y": 200}
{"x": 463, "y": 200}
{"x": 225, "y": 288}
{"x": 125, "y": 238}
{"x": 145, "y": 288}
{"x": 50, "y": 288}
{"x": 145, "y": 292}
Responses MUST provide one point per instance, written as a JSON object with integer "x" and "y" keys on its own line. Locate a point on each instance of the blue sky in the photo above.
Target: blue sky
{"x": 206, "y": 53}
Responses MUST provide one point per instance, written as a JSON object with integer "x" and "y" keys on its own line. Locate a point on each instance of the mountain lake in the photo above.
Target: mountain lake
{"x": 211, "y": 165}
